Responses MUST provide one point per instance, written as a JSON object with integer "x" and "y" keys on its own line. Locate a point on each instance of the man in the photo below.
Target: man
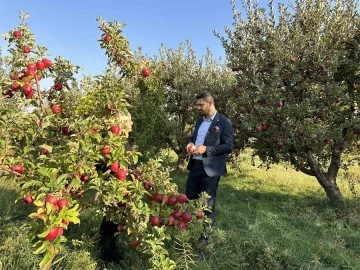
{"x": 208, "y": 146}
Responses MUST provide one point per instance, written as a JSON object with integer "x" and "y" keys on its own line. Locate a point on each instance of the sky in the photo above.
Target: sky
{"x": 68, "y": 28}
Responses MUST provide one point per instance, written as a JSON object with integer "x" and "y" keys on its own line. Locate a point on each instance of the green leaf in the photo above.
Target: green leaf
{"x": 47, "y": 259}
{"x": 42, "y": 248}
{"x": 46, "y": 147}
{"x": 38, "y": 203}
{"x": 44, "y": 234}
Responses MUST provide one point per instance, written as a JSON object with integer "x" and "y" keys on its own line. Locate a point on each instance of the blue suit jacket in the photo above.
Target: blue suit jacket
{"x": 219, "y": 141}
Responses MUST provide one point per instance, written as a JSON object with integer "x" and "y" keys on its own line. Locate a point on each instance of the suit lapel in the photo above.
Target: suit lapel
{"x": 214, "y": 122}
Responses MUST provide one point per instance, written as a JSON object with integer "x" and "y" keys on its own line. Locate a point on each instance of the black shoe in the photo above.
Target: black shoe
{"x": 108, "y": 251}
{"x": 203, "y": 241}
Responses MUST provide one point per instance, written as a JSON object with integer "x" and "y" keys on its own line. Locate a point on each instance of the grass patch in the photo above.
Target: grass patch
{"x": 266, "y": 219}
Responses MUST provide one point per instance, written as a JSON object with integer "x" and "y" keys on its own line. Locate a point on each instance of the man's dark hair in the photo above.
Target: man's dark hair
{"x": 204, "y": 95}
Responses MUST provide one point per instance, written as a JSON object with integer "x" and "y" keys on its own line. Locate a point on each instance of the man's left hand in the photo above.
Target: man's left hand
{"x": 199, "y": 150}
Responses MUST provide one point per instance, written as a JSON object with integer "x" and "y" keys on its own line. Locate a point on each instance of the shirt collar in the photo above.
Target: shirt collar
{"x": 211, "y": 118}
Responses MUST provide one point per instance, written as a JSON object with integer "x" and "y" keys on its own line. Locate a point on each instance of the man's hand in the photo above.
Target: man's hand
{"x": 190, "y": 147}
{"x": 199, "y": 150}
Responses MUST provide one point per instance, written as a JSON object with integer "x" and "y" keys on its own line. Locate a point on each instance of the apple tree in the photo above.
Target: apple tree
{"x": 297, "y": 95}
{"x": 65, "y": 146}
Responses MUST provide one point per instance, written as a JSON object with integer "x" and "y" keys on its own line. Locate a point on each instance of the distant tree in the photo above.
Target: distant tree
{"x": 298, "y": 85}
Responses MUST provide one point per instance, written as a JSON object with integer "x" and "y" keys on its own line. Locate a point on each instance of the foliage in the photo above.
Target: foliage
{"x": 69, "y": 153}
{"x": 297, "y": 93}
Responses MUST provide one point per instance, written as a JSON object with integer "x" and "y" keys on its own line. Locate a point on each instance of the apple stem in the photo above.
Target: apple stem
{"x": 40, "y": 95}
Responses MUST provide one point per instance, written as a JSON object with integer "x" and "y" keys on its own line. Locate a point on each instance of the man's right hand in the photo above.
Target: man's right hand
{"x": 190, "y": 147}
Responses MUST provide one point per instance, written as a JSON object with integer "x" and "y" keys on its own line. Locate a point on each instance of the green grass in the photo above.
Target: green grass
{"x": 265, "y": 219}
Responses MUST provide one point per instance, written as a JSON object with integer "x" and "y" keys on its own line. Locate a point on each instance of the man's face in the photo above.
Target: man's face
{"x": 203, "y": 106}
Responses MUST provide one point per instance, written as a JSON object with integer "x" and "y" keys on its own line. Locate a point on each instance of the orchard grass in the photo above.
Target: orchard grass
{"x": 266, "y": 219}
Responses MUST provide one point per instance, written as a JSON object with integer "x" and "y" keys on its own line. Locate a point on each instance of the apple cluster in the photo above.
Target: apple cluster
{"x": 24, "y": 79}
{"x": 55, "y": 213}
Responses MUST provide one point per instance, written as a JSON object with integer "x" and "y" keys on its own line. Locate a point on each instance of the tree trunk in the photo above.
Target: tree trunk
{"x": 328, "y": 179}
{"x": 332, "y": 191}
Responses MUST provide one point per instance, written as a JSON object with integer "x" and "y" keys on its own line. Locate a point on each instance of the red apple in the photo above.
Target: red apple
{"x": 114, "y": 167}
{"x": 121, "y": 174}
{"x": 186, "y": 216}
{"x": 44, "y": 152}
{"x": 25, "y": 78}
{"x": 53, "y": 234}
{"x": 182, "y": 225}
{"x": 93, "y": 131}
{"x": 115, "y": 129}
{"x": 171, "y": 221}
{"x": 57, "y": 86}
{"x": 17, "y": 168}
{"x": 146, "y": 72}
{"x": 29, "y": 95}
{"x": 182, "y": 198}
{"x": 17, "y": 34}
{"x": 154, "y": 221}
{"x": 171, "y": 200}
{"x": 199, "y": 214}
{"x": 51, "y": 199}
{"x": 61, "y": 231}
{"x": 15, "y": 86}
{"x": 27, "y": 50}
{"x": 47, "y": 62}
{"x": 56, "y": 109}
{"x": 14, "y": 76}
{"x": 107, "y": 38}
{"x": 28, "y": 199}
{"x": 84, "y": 178}
{"x": 62, "y": 203}
{"x": 30, "y": 72}
{"x": 105, "y": 150}
{"x": 147, "y": 184}
{"x": 135, "y": 244}
{"x": 40, "y": 65}
{"x": 31, "y": 66}
{"x": 158, "y": 197}
{"x": 176, "y": 214}
{"x": 66, "y": 131}
{"x": 27, "y": 89}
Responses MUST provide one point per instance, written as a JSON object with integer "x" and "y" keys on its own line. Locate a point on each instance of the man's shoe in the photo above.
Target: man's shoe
{"x": 107, "y": 249}
{"x": 203, "y": 241}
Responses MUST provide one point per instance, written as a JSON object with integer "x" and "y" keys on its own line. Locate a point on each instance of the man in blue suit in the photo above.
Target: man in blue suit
{"x": 208, "y": 146}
